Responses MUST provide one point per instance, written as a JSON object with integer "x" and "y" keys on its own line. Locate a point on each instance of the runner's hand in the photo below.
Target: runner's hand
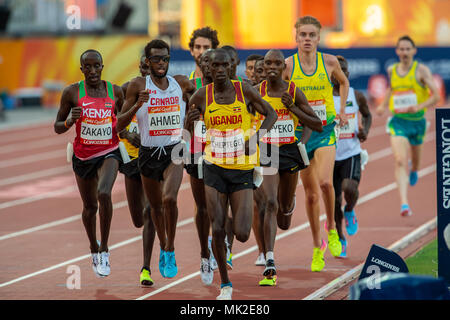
{"x": 362, "y": 134}
{"x": 76, "y": 114}
{"x": 343, "y": 120}
{"x": 287, "y": 100}
{"x": 143, "y": 97}
{"x": 250, "y": 145}
{"x": 193, "y": 114}
{"x": 134, "y": 139}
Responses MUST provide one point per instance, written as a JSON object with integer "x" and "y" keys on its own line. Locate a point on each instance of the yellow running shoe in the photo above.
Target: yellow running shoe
{"x": 145, "y": 278}
{"x": 268, "y": 281}
{"x": 318, "y": 263}
{"x": 334, "y": 244}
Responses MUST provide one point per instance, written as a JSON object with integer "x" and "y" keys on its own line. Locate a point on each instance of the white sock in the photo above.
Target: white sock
{"x": 269, "y": 255}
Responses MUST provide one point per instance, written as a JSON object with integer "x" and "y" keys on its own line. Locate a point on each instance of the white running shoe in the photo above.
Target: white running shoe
{"x": 225, "y": 293}
{"x": 212, "y": 260}
{"x": 261, "y": 260}
{"x": 206, "y": 272}
{"x": 103, "y": 267}
{"x": 95, "y": 259}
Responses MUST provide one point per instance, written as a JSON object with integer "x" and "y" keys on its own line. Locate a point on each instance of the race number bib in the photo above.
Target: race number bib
{"x": 320, "y": 109}
{"x": 226, "y": 145}
{"x": 96, "y": 127}
{"x": 164, "y": 120}
{"x": 349, "y": 130}
{"x": 133, "y": 128}
{"x": 281, "y": 132}
{"x": 200, "y": 131}
{"x": 404, "y": 99}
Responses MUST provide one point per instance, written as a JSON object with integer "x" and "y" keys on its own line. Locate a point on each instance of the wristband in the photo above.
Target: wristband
{"x": 65, "y": 124}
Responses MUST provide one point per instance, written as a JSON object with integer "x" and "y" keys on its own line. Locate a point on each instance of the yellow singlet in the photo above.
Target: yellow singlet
{"x": 406, "y": 92}
{"x": 283, "y": 131}
{"x": 133, "y": 152}
{"x": 317, "y": 88}
{"x": 228, "y": 127}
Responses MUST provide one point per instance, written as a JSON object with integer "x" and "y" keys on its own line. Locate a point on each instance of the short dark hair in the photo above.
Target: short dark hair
{"x": 156, "y": 44}
{"x": 254, "y": 56}
{"x": 407, "y": 38}
{"x": 341, "y": 58}
{"x": 91, "y": 51}
{"x": 207, "y": 33}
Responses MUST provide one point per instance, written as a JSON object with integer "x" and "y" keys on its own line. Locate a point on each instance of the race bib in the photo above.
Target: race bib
{"x": 349, "y": 130}
{"x": 96, "y": 126}
{"x": 281, "y": 132}
{"x": 404, "y": 99}
{"x": 133, "y": 128}
{"x": 200, "y": 131}
{"x": 226, "y": 145}
{"x": 320, "y": 109}
{"x": 164, "y": 120}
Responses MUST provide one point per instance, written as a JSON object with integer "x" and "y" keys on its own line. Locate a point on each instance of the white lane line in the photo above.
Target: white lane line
{"x": 32, "y": 145}
{"x": 41, "y": 196}
{"x": 65, "y": 263}
{"x": 35, "y": 175}
{"x": 188, "y": 221}
{"x": 33, "y": 158}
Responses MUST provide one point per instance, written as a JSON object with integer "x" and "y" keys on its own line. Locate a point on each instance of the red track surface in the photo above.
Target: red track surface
{"x": 34, "y": 262}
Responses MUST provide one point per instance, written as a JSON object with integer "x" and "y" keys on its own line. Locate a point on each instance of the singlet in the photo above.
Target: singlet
{"x": 348, "y": 143}
{"x": 96, "y": 133}
{"x": 161, "y": 119}
{"x": 198, "y": 140}
{"x": 317, "y": 88}
{"x": 133, "y": 152}
{"x": 228, "y": 127}
{"x": 406, "y": 92}
{"x": 283, "y": 131}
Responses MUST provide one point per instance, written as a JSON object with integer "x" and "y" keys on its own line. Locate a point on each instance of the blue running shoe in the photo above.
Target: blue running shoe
{"x": 343, "y": 254}
{"x": 413, "y": 177}
{"x": 351, "y": 224}
{"x": 162, "y": 261}
{"x": 171, "y": 268}
{"x": 405, "y": 210}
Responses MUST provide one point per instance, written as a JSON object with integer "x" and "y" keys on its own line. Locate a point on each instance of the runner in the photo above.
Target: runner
{"x": 160, "y": 124}
{"x": 250, "y": 66}
{"x": 198, "y": 141}
{"x": 93, "y": 103}
{"x": 228, "y": 171}
{"x": 201, "y": 40}
{"x": 310, "y": 70}
{"x": 279, "y": 189}
{"x": 408, "y": 99}
{"x": 260, "y": 72}
{"x": 347, "y": 166}
{"x": 137, "y": 202}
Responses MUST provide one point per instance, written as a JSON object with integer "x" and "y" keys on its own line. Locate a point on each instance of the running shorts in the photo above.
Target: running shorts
{"x": 131, "y": 169}
{"x": 413, "y": 130}
{"x": 192, "y": 167}
{"x": 153, "y": 161}
{"x": 349, "y": 168}
{"x": 87, "y": 169}
{"x": 289, "y": 158}
{"x": 227, "y": 180}
{"x": 319, "y": 139}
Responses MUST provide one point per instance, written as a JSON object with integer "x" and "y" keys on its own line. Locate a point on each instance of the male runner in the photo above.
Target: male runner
{"x": 137, "y": 202}
{"x": 260, "y": 72}
{"x": 197, "y": 145}
{"x": 230, "y": 154}
{"x": 347, "y": 166}
{"x": 310, "y": 70}
{"x": 250, "y": 66}
{"x": 279, "y": 189}
{"x": 92, "y": 103}
{"x": 201, "y": 40}
{"x": 408, "y": 99}
{"x": 158, "y": 103}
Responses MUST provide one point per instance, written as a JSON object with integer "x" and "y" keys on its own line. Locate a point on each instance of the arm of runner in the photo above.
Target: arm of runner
{"x": 426, "y": 78}
{"x": 302, "y": 110}
{"x": 63, "y": 123}
{"x": 196, "y": 109}
{"x": 118, "y": 97}
{"x": 187, "y": 86}
{"x": 344, "y": 85}
{"x": 136, "y": 97}
{"x": 288, "y": 70}
{"x": 384, "y": 104}
{"x": 366, "y": 119}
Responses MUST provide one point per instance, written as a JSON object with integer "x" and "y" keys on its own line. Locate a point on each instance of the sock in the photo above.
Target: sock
{"x": 226, "y": 285}
{"x": 269, "y": 255}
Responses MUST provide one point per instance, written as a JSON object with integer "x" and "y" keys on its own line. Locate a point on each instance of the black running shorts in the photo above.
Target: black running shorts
{"x": 289, "y": 158}
{"x": 153, "y": 161}
{"x": 346, "y": 169}
{"x": 227, "y": 180}
{"x": 192, "y": 167}
{"x": 87, "y": 169}
{"x": 131, "y": 169}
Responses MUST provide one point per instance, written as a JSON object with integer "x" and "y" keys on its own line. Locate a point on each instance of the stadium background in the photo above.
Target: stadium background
{"x": 41, "y": 42}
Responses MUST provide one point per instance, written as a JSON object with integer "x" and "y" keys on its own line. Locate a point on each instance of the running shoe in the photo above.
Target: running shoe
{"x": 334, "y": 245}
{"x": 171, "y": 269}
{"x": 270, "y": 269}
{"x": 266, "y": 282}
{"x": 229, "y": 260}
{"x": 405, "y": 211}
{"x": 318, "y": 263}
{"x": 343, "y": 254}
{"x": 103, "y": 267}
{"x": 162, "y": 262}
{"x": 145, "y": 278}
{"x": 351, "y": 223}
{"x": 212, "y": 260}
{"x": 95, "y": 263}
{"x": 206, "y": 273}
{"x": 225, "y": 293}
{"x": 413, "y": 177}
{"x": 261, "y": 260}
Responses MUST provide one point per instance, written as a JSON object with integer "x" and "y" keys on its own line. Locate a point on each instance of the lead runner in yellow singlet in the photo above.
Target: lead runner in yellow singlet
{"x": 408, "y": 99}
{"x": 230, "y": 154}
{"x": 311, "y": 71}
